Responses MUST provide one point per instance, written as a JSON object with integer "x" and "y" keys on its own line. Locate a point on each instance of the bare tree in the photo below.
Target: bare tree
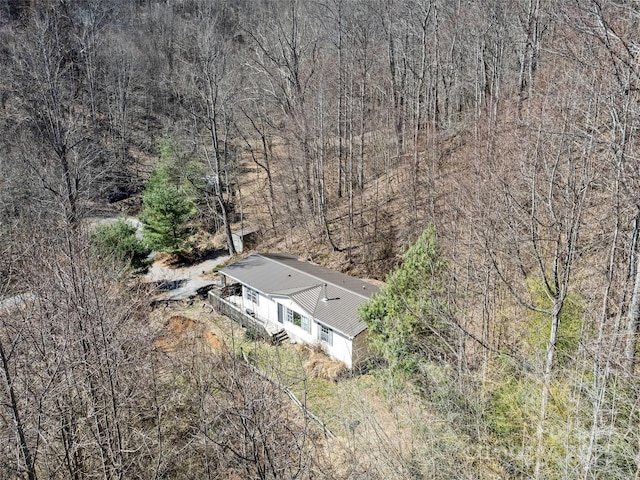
{"x": 207, "y": 85}
{"x": 73, "y": 367}
{"x": 56, "y": 133}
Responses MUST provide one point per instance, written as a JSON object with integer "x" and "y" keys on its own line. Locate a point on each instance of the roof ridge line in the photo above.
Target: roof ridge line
{"x": 323, "y": 281}
{"x": 305, "y": 289}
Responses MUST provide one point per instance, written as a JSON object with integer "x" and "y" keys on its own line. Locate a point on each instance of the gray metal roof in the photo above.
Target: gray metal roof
{"x": 335, "y": 305}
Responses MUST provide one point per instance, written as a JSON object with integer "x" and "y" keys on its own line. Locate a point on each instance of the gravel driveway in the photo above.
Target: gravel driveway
{"x": 183, "y": 282}
{"x": 178, "y": 283}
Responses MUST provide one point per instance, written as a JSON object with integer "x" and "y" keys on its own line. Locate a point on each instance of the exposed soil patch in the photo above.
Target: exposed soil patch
{"x": 180, "y": 332}
{"x": 178, "y": 325}
{"x": 213, "y": 341}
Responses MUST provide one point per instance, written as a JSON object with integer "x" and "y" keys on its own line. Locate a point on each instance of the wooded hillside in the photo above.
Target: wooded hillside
{"x": 342, "y": 130}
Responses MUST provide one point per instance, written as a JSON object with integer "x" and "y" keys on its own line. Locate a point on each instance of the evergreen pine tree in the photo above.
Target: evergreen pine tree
{"x": 410, "y": 320}
{"x": 166, "y": 209}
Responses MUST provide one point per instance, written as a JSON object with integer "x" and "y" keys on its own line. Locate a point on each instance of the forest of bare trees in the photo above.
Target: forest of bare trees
{"x": 341, "y": 130}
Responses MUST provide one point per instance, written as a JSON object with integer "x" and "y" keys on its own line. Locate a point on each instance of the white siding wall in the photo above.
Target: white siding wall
{"x": 265, "y": 308}
{"x": 342, "y": 348}
{"x": 296, "y": 333}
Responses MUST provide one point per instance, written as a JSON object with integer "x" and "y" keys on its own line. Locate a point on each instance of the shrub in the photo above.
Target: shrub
{"x": 118, "y": 241}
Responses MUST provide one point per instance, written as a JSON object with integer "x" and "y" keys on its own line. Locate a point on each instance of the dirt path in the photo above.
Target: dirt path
{"x": 177, "y": 282}
{"x": 180, "y": 283}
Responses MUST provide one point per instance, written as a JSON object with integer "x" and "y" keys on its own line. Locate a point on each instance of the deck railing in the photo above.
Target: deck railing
{"x": 235, "y": 313}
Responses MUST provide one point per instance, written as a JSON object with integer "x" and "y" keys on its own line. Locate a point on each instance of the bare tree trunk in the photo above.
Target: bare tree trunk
{"x": 397, "y": 81}
{"x": 558, "y": 301}
{"x": 530, "y": 53}
{"x": 25, "y": 450}
{"x": 341, "y": 99}
{"x": 603, "y": 355}
{"x": 265, "y": 164}
{"x": 633, "y": 315}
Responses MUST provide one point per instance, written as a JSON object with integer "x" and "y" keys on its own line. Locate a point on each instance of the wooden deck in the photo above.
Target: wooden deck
{"x": 262, "y": 327}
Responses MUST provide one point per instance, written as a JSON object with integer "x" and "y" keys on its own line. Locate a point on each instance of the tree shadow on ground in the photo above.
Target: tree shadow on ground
{"x": 189, "y": 258}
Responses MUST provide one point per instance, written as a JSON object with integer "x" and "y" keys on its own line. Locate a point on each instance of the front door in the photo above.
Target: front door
{"x": 280, "y": 313}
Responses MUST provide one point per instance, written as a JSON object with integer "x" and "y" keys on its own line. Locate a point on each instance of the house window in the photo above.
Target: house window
{"x": 299, "y": 320}
{"x": 251, "y": 295}
{"x": 325, "y": 334}
{"x": 306, "y": 324}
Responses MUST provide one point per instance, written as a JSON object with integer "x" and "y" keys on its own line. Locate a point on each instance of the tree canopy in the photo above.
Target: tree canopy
{"x": 118, "y": 240}
{"x": 409, "y": 320}
{"x": 166, "y": 209}
{"x": 339, "y": 129}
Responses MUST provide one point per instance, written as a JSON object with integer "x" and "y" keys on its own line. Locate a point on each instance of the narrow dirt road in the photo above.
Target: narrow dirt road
{"x": 177, "y": 282}
{"x": 182, "y": 283}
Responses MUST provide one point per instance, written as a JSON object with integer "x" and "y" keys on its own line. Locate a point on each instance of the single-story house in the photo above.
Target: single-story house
{"x": 312, "y": 304}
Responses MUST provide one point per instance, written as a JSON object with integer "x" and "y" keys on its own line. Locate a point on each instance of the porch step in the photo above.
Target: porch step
{"x": 279, "y": 337}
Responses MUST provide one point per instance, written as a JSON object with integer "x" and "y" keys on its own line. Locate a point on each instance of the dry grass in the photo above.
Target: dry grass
{"x": 380, "y": 430}
{"x": 319, "y": 365}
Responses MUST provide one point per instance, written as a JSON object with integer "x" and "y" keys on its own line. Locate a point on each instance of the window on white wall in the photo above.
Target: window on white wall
{"x": 306, "y": 324}
{"x": 325, "y": 334}
{"x": 291, "y": 318}
{"x": 299, "y": 320}
{"x": 251, "y": 295}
